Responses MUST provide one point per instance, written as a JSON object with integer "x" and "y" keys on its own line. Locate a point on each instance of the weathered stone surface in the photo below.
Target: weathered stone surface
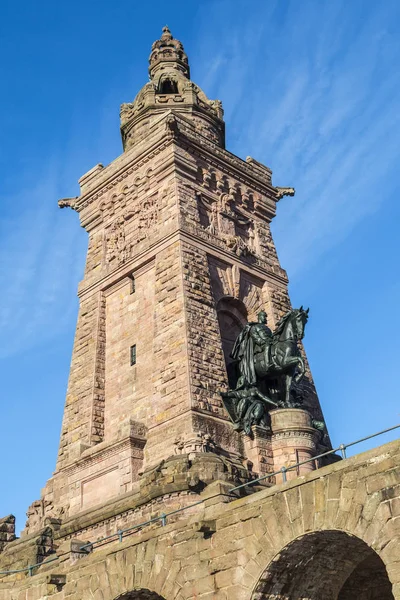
{"x": 180, "y": 256}
{"x": 7, "y": 531}
{"x": 253, "y": 546}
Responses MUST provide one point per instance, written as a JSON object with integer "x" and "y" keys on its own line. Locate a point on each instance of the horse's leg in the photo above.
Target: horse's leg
{"x": 291, "y": 362}
{"x": 300, "y": 375}
{"x": 289, "y": 368}
{"x": 288, "y": 385}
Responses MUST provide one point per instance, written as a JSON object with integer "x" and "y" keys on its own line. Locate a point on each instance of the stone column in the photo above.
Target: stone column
{"x": 294, "y": 440}
{"x": 258, "y": 451}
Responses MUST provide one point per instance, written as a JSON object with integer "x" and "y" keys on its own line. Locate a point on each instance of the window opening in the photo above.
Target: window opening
{"x": 133, "y": 355}
{"x": 167, "y": 86}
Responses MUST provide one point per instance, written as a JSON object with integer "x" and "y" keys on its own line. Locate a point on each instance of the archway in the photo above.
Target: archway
{"x": 332, "y": 565}
{"x": 232, "y": 316}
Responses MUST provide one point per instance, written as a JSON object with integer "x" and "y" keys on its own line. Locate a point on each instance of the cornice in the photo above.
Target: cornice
{"x": 107, "y": 183}
{"x": 146, "y": 258}
{"x": 124, "y": 270}
{"x": 230, "y": 163}
{"x": 197, "y": 144}
{"x": 229, "y": 257}
{"x": 98, "y": 454}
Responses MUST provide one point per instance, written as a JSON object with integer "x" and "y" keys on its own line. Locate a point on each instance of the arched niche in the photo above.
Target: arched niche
{"x": 232, "y": 317}
{"x": 332, "y": 565}
{"x": 167, "y": 84}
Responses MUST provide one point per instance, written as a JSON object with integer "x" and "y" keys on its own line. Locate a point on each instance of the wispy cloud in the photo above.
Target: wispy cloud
{"x": 43, "y": 248}
{"x": 41, "y": 259}
{"x": 308, "y": 89}
{"x": 312, "y": 92}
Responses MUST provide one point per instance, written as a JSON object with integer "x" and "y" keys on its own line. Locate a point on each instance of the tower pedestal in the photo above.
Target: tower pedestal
{"x": 294, "y": 440}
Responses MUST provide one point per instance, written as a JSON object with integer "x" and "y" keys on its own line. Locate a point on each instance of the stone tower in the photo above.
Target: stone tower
{"x": 151, "y": 497}
{"x": 180, "y": 256}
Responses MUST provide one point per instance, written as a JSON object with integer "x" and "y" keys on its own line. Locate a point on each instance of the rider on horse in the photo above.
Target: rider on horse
{"x": 253, "y": 339}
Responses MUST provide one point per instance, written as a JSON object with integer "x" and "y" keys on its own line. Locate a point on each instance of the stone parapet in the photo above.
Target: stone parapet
{"x": 272, "y": 543}
{"x": 29, "y": 550}
{"x": 7, "y": 531}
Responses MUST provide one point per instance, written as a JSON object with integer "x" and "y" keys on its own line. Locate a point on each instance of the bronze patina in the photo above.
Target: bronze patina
{"x": 267, "y": 363}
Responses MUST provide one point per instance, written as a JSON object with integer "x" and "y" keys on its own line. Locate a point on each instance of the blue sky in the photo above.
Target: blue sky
{"x": 309, "y": 88}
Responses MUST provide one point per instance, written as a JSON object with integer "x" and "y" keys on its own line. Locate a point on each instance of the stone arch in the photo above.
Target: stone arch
{"x": 251, "y": 293}
{"x": 167, "y": 84}
{"x": 147, "y": 178}
{"x": 329, "y": 564}
{"x": 232, "y": 316}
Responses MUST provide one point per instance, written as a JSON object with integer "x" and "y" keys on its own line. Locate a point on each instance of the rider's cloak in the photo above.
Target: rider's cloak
{"x": 243, "y": 352}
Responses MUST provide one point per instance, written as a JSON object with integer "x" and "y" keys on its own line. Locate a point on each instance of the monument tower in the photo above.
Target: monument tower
{"x": 188, "y": 382}
{"x": 180, "y": 257}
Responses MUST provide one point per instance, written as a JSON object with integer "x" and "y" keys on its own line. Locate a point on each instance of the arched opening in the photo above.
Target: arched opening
{"x": 332, "y": 565}
{"x": 368, "y": 581}
{"x": 140, "y": 595}
{"x": 167, "y": 86}
{"x": 232, "y": 317}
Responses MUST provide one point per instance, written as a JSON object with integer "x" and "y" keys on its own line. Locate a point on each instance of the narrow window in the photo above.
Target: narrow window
{"x": 133, "y": 284}
{"x": 133, "y": 355}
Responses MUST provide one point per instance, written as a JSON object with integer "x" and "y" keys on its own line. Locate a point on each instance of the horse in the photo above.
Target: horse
{"x": 287, "y": 364}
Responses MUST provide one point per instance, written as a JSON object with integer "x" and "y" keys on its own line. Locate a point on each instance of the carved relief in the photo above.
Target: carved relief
{"x": 229, "y": 280}
{"x": 233, "y": 277}
{"x": 225, "y": 279}
{"x": 224, "y": 220}
{"x": 121, "y": 236}
{"x": 148, "y": 214}
{"x": 194, "y": 442}
{"x": 116, "y": 246}
{"x": 251, "y": 296}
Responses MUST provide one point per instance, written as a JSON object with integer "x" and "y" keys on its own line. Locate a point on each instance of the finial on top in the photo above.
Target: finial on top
{"x": 168, "y": 52}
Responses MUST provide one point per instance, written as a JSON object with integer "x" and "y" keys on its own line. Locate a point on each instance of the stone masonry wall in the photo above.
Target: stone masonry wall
{"x": 76, "y": 427}
{"x": 170, "y": 397}
{"x": 133, "y": 213}
{"x": 193, "y": 231}
{"x": 129, "y": 321}
{"x": 305, "y": 537}
{"x": 206, "y": 359}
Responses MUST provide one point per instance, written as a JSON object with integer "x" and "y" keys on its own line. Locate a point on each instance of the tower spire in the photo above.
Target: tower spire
{"x": 170, "y": 90}
{"x": 167, "y": 53}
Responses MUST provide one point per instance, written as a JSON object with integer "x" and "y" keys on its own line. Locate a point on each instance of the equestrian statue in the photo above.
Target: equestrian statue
{"x": 267, "y": 364}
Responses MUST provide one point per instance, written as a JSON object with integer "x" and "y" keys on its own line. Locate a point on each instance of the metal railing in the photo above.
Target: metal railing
{"x": 342, "y": 449}
{"x": 163, "y": 517}
{"x": 29, "y": 568}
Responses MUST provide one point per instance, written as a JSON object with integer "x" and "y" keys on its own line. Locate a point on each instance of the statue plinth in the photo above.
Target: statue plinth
{"x": 294, "y": 440}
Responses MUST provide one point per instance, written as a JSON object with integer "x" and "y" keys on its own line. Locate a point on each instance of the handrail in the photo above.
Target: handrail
{"x": 342, "y": 448}
{"x": 29, "y": 568}
{"x": 163, "y": 517}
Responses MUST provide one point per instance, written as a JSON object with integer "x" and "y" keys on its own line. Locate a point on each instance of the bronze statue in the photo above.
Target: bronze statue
{"x": 246, "y": 407}
{"x": 254, "y": 338}
{"x": 266, "y": 360}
